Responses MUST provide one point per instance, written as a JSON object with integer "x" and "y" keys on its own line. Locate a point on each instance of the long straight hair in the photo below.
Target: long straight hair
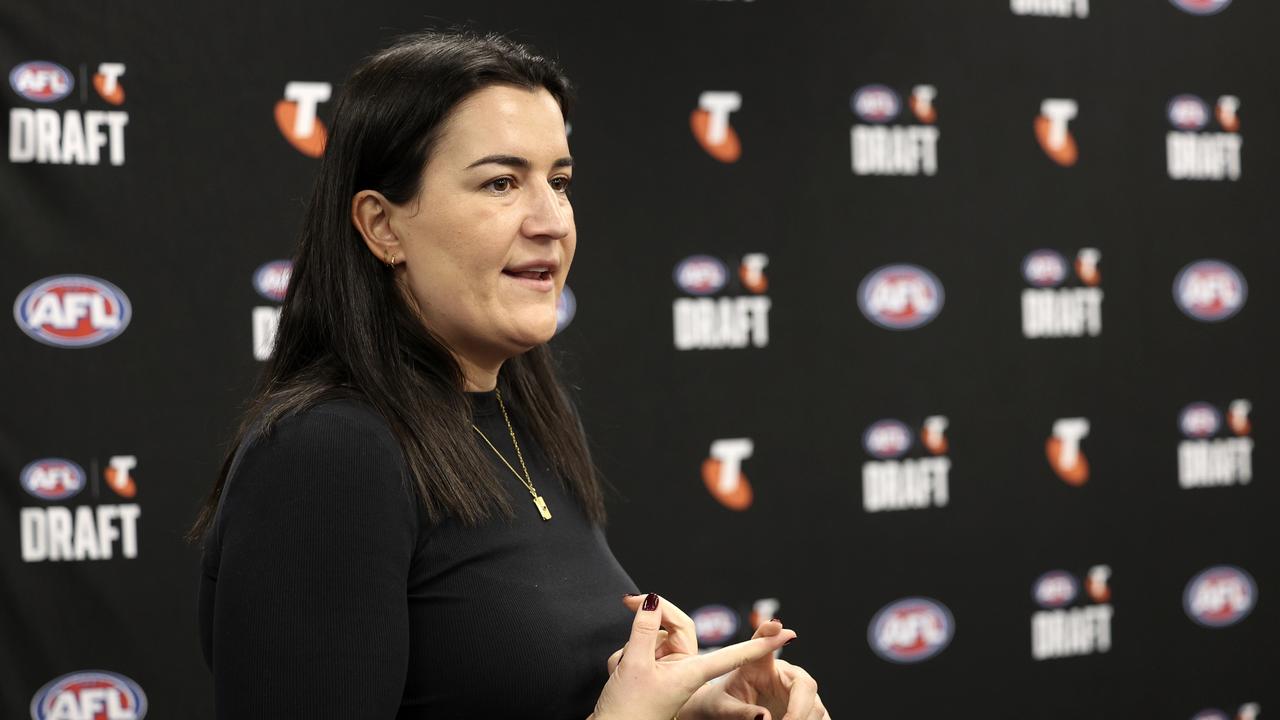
{"x": 347, "y": 328}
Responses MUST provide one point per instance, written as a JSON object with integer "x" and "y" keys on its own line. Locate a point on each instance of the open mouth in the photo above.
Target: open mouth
{"x": 530, "y": 274}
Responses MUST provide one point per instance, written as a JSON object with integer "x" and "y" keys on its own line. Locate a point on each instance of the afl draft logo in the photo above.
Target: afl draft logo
{"x": 296, "y": 116}
{"x": 41, "y": 81}
{"x": 711, "y": 128}
{"x": 715, "y": 625}
{"x": 72, "y": 311}
{"x": 1196, "y": 151}
{"x": 1201, "y": 7}
{"x": 891, "y": 481}
{"x": 1059, "y": 629}
{"x": 1210, "y": 290}
{"x": 900, "y": 297}
{"x": 1064, "y": 452}
{"x": 723, "y": 476}
{"x": 1052, "y": 133}
{"x": 90, "y": 694}
{"x": 52, "y": 479}
{"x": 566, "y": 308}
{"x": 911, "y": 630}
{"x": 1220, "y": 596}
{"x": 880, "y": 148}
{"x": 271, "y": 279}
{"x": 1051, "y": 311}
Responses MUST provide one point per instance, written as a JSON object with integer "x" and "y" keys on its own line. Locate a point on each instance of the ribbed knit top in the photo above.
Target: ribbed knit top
{"x": 326, "y": 593}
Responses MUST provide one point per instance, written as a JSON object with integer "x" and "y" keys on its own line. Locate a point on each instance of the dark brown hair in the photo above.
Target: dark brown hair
{"x": 346, "y": 326}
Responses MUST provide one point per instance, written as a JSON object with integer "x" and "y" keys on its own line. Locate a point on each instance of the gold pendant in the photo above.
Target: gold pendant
{"x": 542, "y": 507}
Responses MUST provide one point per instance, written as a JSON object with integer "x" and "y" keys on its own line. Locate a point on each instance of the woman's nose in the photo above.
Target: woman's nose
{"x": 549, "y": 215}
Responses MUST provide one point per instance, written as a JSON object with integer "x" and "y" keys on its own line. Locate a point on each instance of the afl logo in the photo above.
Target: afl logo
{"x": 1210, "y": 290}
{"x": 1188, "y": 112}
{"x": 1220, "y": 596}
{"x": 911, "y": 630}
{"x": 1044, "y": 268}
{"x": 52, "y": 479}
{"x": 875, "y": 104}
{"x": 1055, "y": 589}
{"x": 41, "y": 81}
{"x": 1211, "y": 715}
{"x": 271, "y": 280}
{"x": 887, "y": 439}
{"x": 715, "y": 624}
{"x": 566, "y": 308}
{"x": 90, "y": 694}
{"x": 72, "y": 311}
{"x": 1201, "y": 7}
{"x": 701, "y": 275}
{"x": 900, "y": 297}
{"x": 1199, "y": 420}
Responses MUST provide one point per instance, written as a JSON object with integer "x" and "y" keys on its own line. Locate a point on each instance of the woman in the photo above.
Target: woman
{"x": 365, "y": 554}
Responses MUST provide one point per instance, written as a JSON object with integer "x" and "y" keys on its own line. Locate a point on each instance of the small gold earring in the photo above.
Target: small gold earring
{"x": 391, "y": 259}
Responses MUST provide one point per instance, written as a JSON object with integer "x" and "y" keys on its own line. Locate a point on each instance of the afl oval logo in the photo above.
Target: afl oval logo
{"x": 1210, "y": 290}
{"x": 566, "y": 308}
{"x": 52, "y": 479}
{"x": 887, "y": 439}
{"x": 701, "y": 275}
{"x": 271, "y": 280}
{"x": 1220, "y": 596}
{"x": 1199, "y": 420}
{"x": 911, "y": 630}
{"x": 41, "y": 81}
{"x": 1188, "y": 112}
{"x": 875, "y": 104}
{"x": 72, "y": 311}
{"x": 1055, "y": 589}
{"x": 90, "y": 694}
{"x": 1201, "y": 7}
{"x": 715, "y": 624}
{"x": 1044, "y": 268}
{"x": 900, "y": 297}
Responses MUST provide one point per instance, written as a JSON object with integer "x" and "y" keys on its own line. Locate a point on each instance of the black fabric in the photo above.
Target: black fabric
{"x": 326, "y": 593}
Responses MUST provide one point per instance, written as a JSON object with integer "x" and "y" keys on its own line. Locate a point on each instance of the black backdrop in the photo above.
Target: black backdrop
{"x": 207, "y": 189}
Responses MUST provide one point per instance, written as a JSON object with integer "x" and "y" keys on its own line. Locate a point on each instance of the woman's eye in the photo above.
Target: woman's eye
{"x": 561, "y": 183}
{"x": 500, "y": 185}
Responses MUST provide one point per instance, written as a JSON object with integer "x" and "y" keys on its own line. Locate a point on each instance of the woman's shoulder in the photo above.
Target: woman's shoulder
{"x": 332, "y": 446}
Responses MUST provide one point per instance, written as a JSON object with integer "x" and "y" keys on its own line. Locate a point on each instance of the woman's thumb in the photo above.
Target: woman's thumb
{"x": 644, "y": 632}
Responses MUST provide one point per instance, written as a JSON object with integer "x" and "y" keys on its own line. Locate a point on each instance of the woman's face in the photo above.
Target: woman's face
{"x": 489, "y": 239}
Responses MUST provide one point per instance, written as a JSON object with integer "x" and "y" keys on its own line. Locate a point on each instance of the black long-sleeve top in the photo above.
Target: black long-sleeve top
{"x": 326, "y": 592}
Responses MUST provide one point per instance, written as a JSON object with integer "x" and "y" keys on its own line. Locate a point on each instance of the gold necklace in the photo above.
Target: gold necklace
{"x": 526, "y": 480}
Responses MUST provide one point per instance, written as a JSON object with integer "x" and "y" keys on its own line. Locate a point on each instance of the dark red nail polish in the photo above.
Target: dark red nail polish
{"x": 760, "y": 716}
{"x": 650, "y": 602}
{"x": 632, "y": 595}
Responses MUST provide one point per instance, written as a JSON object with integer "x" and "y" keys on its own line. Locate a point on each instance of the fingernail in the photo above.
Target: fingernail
{"x": 650, "y": 602}
{"x": 632, "y": 595}
{"x": 788, "y": 642}
{"x": 778, "y": 620}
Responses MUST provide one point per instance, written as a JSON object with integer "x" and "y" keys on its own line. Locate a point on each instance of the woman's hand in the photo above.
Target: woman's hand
{"x": 765, "y": 687}
{"x": 644, "y": 687}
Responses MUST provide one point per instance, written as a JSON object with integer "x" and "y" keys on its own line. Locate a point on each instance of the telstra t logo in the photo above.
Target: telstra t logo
{"x": 1052, "y": 133}
{"x": 296, "y": 116}
{"x": 722, "y": 472}
{"x": 711, "y": 128}
{"x": 1064, "y": 453}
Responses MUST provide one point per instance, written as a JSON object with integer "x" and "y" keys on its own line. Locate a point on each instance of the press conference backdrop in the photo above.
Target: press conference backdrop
{"x": 943, "y": 330}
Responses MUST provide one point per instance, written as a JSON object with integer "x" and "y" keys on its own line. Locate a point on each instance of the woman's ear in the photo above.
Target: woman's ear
{"x": 371, "y": 215}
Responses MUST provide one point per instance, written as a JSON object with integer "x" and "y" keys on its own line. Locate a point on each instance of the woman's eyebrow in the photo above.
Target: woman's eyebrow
{"x": 516, "y": 161}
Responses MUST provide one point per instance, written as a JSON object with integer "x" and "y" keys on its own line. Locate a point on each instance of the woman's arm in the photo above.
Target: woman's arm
{"x": 317, "y": 533}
